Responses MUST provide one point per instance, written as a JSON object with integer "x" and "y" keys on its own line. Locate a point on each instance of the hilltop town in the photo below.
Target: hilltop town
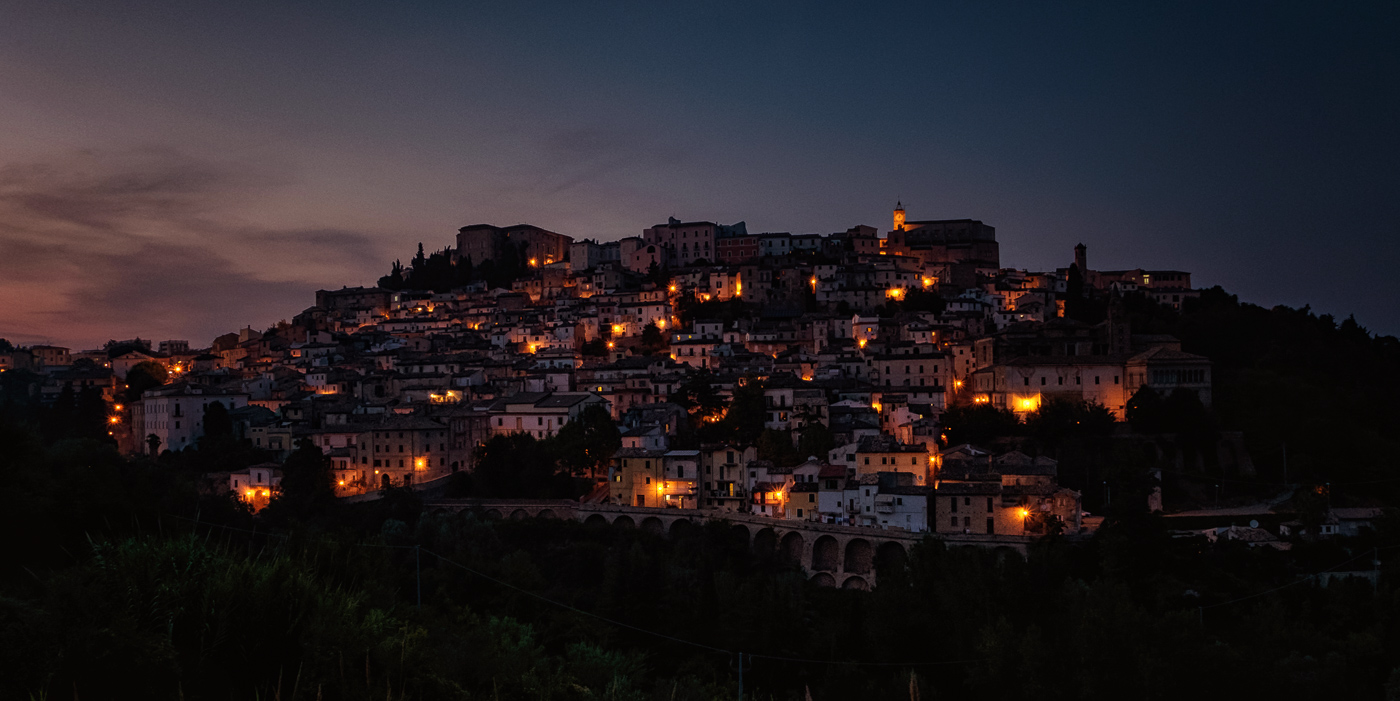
{"x": 800, "y": 377}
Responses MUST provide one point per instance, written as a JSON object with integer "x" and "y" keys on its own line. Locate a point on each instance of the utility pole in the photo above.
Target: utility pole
{"x": 741, "y": 676}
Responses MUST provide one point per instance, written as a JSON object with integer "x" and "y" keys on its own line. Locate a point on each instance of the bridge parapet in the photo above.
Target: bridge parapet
{"x": 830, "y": 554}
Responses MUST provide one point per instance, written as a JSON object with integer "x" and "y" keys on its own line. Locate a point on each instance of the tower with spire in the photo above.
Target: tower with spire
{"x": 898, "y": 216}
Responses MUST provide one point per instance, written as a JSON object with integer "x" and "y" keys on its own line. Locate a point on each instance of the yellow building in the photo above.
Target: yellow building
{"x": 886, "y": 454}
{"x": 638, "y": 478}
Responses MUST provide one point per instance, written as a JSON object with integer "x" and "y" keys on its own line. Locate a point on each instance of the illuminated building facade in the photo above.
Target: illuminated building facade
{"x": 400, "y": 451}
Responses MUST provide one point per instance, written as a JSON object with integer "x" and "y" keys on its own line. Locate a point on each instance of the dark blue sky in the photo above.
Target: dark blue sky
{"x": 180, "y": 169}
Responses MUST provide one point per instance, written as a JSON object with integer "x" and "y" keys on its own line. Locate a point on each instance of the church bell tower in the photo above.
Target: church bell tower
{"x": 899, "y": 216}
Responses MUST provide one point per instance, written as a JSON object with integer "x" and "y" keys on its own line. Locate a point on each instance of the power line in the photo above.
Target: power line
{"x": 1299, "y": 581}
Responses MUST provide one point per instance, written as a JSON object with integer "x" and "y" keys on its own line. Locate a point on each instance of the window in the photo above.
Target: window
{"x": 1042, "y": 382}
{"x": 1028, "y": 381}
{"x": 989, "y": 504}
{"x": 1115, "y": 379}
{"x": 867, "y": 459}
{"x": 991, "y": 525}
{"x": 954, "y": 522}
{"x": 1060, "y": 381}
{"x": 1096, "y": 379}
{"x": 954, "y": 503}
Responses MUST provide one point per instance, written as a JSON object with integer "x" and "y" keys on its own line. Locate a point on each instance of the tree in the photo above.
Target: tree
{"x": 143, "y": 376}
{"x": 595, "y": 348}
{"x": 153, "y": 444}
{"x": 815, "y": 439}
{"x": 587, "y": 443}
{"x": 394, "y": 280}
{"x": 90, "y": 415}
{"x": 1144, "y": 411}
{"x": 697, "y": 394}
{"x": 777, "y": 446}
{"x": 419, "y": 260}
{"x": 1058, "y": 419}
{"x": 218, "y": 425}
{"x": 307, "y": 484}
{"x": 747, "y": 412}
{"x": 58, "y": 420}
{"x": 516, "y": 466}
{"x": 652, "y": 340}
{"x": 978, "y": 423}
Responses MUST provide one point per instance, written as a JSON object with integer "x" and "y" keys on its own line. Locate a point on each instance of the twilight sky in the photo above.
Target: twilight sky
{"x": 182, "y": 169}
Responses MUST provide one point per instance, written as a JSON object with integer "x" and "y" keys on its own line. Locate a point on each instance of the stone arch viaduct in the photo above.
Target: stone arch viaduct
{"x": 831, "y": 555}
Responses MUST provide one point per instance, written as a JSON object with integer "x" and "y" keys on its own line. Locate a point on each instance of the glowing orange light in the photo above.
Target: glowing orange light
{"x": 1025, "y": 513}
{"x": 895, "y": 293}
{"x": 617, "y": 329}
{"x": 342, "y": 483}
{"x": 861, "y": 343}
{"x": 114, "y": 420}
{"x": 420, "y": 463}
{"x": 876, "y": 406}
{"x": 673, "y": 288}
{"x": 534, "y": 263}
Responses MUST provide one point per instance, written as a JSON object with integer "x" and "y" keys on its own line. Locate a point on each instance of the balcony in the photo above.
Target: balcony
{"x": 728, "y": 494}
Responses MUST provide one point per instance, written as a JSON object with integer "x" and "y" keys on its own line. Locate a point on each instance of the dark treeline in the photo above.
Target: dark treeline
{"x": 121, "y": 580}
{"x": 442, "y": 271}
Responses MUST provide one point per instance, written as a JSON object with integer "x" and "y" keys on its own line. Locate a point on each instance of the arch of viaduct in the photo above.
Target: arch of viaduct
{"x": 831, "y": 555}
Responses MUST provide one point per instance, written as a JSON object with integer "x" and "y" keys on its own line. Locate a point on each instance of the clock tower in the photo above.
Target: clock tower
{"x": 899, "y": 216}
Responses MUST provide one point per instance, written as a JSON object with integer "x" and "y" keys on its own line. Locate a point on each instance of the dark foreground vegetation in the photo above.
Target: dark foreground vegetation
{"x": 121, "y": 581}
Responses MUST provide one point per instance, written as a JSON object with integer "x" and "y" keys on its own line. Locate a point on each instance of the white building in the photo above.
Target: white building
{"x": 540, "y": 414}
{"x": 175, "y": 413}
